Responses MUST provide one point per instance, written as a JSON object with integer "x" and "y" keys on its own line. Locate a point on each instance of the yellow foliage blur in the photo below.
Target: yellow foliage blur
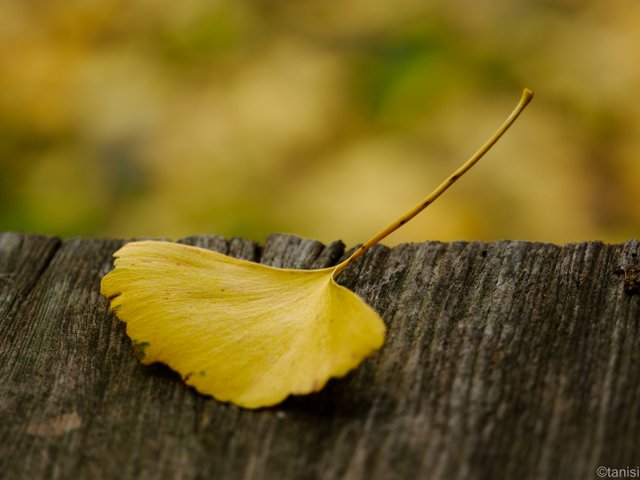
{"x": 320, "y": 118}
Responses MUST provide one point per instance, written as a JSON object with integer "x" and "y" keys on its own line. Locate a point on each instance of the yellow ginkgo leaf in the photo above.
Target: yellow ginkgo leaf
{"x": 238, "y": 330}
{"x": 245, "y": 332}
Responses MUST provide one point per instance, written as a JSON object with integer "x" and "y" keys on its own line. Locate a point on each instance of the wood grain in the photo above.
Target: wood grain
{"x": 503, "y": 360}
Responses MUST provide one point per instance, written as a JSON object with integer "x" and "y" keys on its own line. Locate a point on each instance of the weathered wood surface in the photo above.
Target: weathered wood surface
{"x": 503, "y": 360}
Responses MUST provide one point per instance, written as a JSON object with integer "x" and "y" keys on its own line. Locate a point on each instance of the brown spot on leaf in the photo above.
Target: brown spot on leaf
{"x": 139, "y": 348}
{"x": 111, "y": 298}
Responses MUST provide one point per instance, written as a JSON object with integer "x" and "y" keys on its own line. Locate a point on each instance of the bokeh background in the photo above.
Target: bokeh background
{"x": 326, "y": 119}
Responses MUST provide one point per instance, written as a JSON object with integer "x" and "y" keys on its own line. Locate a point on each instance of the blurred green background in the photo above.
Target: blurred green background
{"x": 325, "y": 119}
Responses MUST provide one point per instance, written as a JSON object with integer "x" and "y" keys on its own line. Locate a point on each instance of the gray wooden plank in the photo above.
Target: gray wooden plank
{"x": 503, "y": 360}
{"x": 22, "y": 260}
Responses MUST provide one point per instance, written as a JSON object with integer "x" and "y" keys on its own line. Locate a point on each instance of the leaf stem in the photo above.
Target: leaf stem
{"x": 527, "y": 95}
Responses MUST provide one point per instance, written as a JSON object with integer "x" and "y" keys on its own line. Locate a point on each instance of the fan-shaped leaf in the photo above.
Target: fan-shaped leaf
{"x": 244, "y": 332}
{"x": 237, "y": 330}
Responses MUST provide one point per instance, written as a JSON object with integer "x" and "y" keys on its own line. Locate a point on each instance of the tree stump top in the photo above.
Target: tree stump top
{"x": 502, "y": 360}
